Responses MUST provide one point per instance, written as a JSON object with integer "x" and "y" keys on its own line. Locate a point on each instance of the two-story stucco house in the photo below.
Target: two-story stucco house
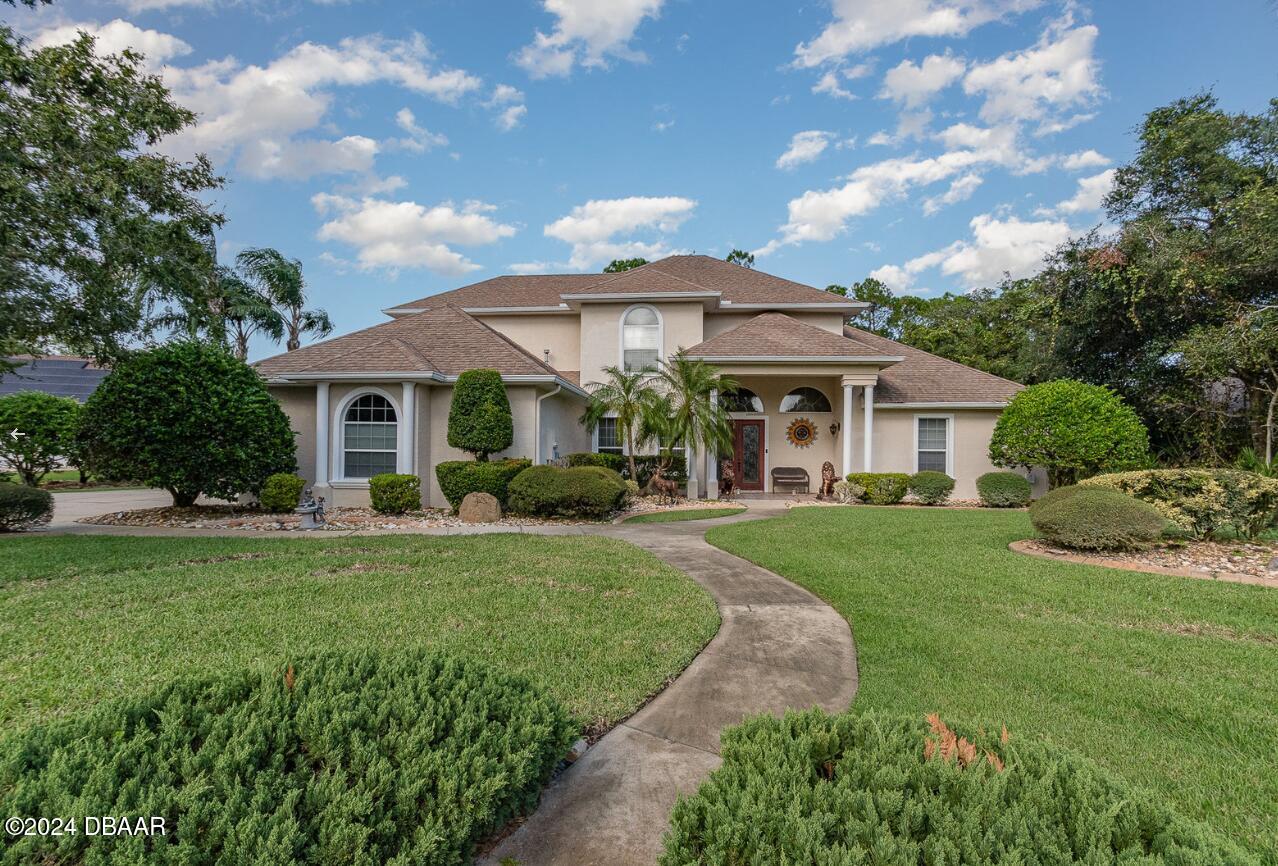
{"x": 377, "y": 400}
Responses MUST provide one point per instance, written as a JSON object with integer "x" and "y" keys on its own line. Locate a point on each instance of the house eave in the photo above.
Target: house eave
{"x": 941, "y": 404}
{"x": 800, "y": 359}
{"x": 709, "y": 300}
{"x": 396, "y": 312}
{"x": 833, "y": 307}
{"x": 421, "y": 377}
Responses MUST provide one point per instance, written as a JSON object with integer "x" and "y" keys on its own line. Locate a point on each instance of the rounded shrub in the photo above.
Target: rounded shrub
{"x": 931, "y": 488}
{"x": 48, "y": 425}
{"x": 356, "y": 757}
{"x": 1094, "y": 519}
{"x": 591, "y": 492}
{"x": 1202, "y": 502}
{"x": 479, "y": 419}
{"x": 882, "y": 488}
{"x": 390, "y": 493}
{"x": 282, "y": 492}
{"x": 616, "y": 462}
{"x": 460, "y": 477}
{"x": 1004, "y": 490}
{"x": 1051, "y": 496}
{"x": 23, "y": 507}
{"x": 869, "y": 788}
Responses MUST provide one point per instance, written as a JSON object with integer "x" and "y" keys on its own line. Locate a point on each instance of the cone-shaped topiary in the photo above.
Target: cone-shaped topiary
{"x": 479, "y": 420}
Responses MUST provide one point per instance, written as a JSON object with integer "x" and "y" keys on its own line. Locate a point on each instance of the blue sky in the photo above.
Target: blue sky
{"x": 403, "y": 149}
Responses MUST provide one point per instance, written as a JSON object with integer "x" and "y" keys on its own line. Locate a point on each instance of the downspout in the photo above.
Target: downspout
{"x": 537, "y": 423}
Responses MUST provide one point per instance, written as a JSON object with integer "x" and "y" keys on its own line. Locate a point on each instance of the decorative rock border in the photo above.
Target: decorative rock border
{"x": 1030, "y": 547}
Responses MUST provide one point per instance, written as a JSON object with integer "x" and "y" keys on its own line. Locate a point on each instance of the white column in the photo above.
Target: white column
{"x": 712, "y": 460}
{"x": 691, "y": 457}
{"x": 407, "y": 429}
{"x": 869, "y": 428}
{"x": 321, "y": 435}
{"x": 847, "y": 429}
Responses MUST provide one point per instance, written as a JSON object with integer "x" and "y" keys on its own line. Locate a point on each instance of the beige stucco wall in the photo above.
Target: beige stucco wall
{"x": 716, "y": 323}
{"x": 298, "y": 404}
{"x": 560, "y": 426}
{"x": 521, "y": 407}
{"x": 601, "y": 333}
{"x": 560, "y": 333}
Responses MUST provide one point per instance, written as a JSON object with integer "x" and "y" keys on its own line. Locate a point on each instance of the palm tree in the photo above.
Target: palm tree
{"x": 628, "y": 396}
{"x": 693, "y": 418}
{"x": 245, "y": 310}
{"x": 280, "y": 280}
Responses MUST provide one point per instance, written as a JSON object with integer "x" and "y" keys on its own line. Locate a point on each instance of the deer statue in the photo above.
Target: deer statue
{"x": 665, "y": 488}
{"x": 827, "y": 481}
{"x": 727, "y": 479}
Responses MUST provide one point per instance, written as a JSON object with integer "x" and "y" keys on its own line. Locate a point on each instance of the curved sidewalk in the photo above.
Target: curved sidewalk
{"x": 779, "y": 647}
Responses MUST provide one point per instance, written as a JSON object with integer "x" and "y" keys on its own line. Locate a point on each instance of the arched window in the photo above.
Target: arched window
{"x": 369, "y": 437}
{"x": 805, "y": 400}
{"x": 741, "y": 400}
{"x": 640, "y": 339}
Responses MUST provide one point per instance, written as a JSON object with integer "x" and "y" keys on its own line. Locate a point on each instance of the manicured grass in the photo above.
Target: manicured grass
{"x": 685, "y": 514}
{"x": 597, "y": 622}
{"x": 1172, "y": 682}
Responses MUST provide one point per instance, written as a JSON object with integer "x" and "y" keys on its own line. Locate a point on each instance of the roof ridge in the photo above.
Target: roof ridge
{"x": 509, "y": 342}
{"x": 413, "y": 351}
{"x": 933, "y": 355}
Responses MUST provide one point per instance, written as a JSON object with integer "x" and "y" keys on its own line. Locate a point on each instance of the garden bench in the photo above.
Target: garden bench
{"x": 790, "y": 475}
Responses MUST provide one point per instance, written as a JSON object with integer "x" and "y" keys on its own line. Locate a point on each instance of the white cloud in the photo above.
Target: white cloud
{"x": 914, "y": 84}
{"x": 1084, "y": 159}
{"x": 510, "y": 117}
{"x": 829, "y": 83}
{"x": 419, "y": 138}
{"x": 294, "y": 159}
{"x": 509, "y": 103}
{"x": 136, "y": 6}
{"x": 1090, "y": 195}
{"x": 592, "y": 228}
{"x": 504, "y": 94}
{"x": 895, "y": 277}
{"x": 804, "y": 147}
{"x": 405, "y": 234}
{"x": 115, "y": 36}
{"x": 961, "y": 189}
{"x": 862, "y": 25}
{"x": 587, "y": 32}
{"x": 530, "y": 267}
{"x": 1040, "y": 83}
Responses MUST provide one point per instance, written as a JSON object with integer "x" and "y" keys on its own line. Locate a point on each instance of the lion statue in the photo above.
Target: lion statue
{"x": 827, "y": 481}
{"x": 727, "y": 479}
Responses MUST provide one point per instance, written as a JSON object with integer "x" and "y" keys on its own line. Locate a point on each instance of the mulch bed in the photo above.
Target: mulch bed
{"x": 1234, "y": 561}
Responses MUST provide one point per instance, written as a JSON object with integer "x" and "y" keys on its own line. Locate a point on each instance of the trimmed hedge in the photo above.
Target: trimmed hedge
{"x": 1097, "y": 519}
{"x": 356, "y": 757}
{"x": 1004, "y": 490}
{"x": 931, "y": 488}
{"x": 644, "y": 463}
{"x": 479, "y": 417}
{"x": 882, "y": 488}
{"x": 460, "y": 477}
{"x": 23, "y": 507}
{"x": 869, "y": 788}
{"x": 591, "y": 492}
{"x": 390, "y": 493}
{"x": 1202, "y": 502}
{"x": 282, "y": 492}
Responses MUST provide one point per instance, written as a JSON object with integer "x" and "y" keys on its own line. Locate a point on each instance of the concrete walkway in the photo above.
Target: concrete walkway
{"x": 779, "y": 647}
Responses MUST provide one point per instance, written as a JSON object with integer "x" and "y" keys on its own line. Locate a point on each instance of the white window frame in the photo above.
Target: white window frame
{"x": 594, "y": 438}
{"x": 949, "y": 440}
{"x": 338, "y": 435}
{"x": 621, "y": 334}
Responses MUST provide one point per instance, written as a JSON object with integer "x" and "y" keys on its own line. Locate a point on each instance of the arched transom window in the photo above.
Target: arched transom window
{"x": 369, "y": 437}
{"x": 640, "y": 339}
{"x": 741, "y": 400}
{"x": 805, "y": 400}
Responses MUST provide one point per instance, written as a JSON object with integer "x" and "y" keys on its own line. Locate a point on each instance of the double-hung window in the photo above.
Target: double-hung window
{"x": 608, "y": 437}
{"x": 640, "y": 340}
{"x": 933, "y": 444}
{"x": 369, "y": 437}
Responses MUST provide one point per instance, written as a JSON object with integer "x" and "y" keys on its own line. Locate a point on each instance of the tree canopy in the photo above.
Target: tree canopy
{"x": 616, "y": 266}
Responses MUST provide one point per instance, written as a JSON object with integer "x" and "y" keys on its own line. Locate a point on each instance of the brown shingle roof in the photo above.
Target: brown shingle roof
{"x": 926, "y": 378}
{"x": 778, "y": 335}
{"x": 444, "y": 340}
{"x": 736, "y": 284}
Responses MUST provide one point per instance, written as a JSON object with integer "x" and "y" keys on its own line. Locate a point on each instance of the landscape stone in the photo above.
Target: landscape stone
{"x": 480, "y": 508}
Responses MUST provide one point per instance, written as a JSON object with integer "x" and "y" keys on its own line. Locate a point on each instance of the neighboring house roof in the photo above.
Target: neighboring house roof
{"x": 776, "y": 335}
{"x": 675, "y": 274}
{"x": 442, "y": 340}
{"x": 922, "y": 377}
{"x": 60, "y": 375}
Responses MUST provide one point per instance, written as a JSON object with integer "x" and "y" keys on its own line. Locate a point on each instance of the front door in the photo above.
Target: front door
{"x": 747, "y": 453}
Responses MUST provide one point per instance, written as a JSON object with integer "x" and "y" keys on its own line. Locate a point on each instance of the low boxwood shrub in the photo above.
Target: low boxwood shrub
{"x": 1098, "y": 519}
{"x": 931, "y": 488}
{"x": 281, "y": 492}
{"x": 882, "y": 488}
{"x": 23, "y": 507}
{"x": 644, "y": 464}
{"x": 869, "y": 788}
{"x": 460, "y": 477}
{"x": 356, "y": 757}
{"x": 616, "y": 462}
{"x": 1004, "y": 490}
{"x": 390, "y": 493}
{"x": 1046, "y": 500}
{"x": 1202, "y": 502}
{"x": 591, "y": 492}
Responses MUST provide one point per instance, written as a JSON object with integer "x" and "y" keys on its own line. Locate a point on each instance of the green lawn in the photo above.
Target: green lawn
{"x": 685, "y": 514}
{"x": 599, "y": 623}
{"x": 1171, "y": 682}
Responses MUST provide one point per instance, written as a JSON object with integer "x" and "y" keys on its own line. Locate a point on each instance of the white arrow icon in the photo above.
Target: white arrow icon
{"x": 15, "y": 434}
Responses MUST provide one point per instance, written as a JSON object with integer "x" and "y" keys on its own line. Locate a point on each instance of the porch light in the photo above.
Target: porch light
{"x": 835, "y": 426}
